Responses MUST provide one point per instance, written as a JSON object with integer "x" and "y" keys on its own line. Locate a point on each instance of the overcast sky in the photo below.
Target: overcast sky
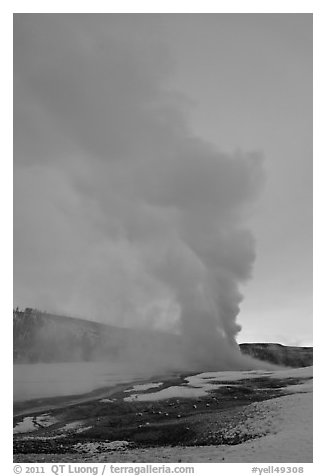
{"x": 138, "y": 134}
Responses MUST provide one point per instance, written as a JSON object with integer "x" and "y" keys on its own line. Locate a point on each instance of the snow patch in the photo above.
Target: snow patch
{"x": 30, "y": 424}
{"x": 25, "y": 426}
{"x": 97, "y": 447}
{"x": 76, "y": 426}
{"x": 145, "y": 386}
{"x": 169, "y": 392}
{"x": 201, "y": 384}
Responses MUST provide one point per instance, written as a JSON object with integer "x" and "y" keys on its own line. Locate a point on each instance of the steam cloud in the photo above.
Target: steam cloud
{"x": 121, "y": 213}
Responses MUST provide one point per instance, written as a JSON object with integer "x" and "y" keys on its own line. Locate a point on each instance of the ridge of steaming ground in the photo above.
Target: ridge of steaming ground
{"x": 40, "y": 337}
{"x": 247, "y": 410}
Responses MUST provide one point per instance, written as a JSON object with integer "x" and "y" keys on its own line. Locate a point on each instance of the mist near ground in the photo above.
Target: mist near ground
{"x": 121, "y": 213}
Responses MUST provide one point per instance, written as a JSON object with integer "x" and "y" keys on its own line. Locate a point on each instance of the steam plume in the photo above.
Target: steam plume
{"x": 122, "y": 214}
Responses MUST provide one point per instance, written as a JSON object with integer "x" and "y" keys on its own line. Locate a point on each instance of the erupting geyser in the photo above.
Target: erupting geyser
{"x": 142, "y": 222}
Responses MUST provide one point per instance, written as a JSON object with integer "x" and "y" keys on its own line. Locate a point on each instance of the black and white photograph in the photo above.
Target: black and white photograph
{"x": 162, "y": 238}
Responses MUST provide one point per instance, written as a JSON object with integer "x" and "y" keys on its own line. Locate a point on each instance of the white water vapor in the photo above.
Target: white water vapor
{"x": 121, "y": 213}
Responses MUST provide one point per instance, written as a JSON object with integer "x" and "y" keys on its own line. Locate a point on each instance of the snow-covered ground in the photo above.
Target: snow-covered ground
{"x": 233, "y": 376}
{"x": 144, "y": 386}
{"x": 199, "y": 385}
{"x": 285, "y": 422}
{"x": 169, "y": 392}
{"x": 278, "y": 430}
{"x": 34, "y": 423}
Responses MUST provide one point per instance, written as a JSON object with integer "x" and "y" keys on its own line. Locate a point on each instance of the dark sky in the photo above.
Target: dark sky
{"x": 138, "y": 136}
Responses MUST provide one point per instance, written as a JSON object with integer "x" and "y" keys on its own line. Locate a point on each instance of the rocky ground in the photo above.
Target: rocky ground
{"x": 103, "y": 426}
